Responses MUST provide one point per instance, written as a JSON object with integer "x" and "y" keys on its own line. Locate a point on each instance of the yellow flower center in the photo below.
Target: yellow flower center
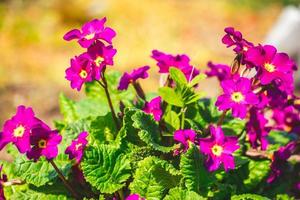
{"x": 90, "y": 36}
{"x": 269, "y": 67}
{"x": 83, "y": 73}
{"x": 217, "y": 150}
{"x": 245, "y": 49}
{"x": 237, "y": 97}
{"x": 42, "y": 144}
{"x": 19, "y": 131}
{"x": 77, "y": 146}
{"x": 99, "y": 60}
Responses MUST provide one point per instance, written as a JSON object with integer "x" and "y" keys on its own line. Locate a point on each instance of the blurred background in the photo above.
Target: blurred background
{"x": 33, "y": 55}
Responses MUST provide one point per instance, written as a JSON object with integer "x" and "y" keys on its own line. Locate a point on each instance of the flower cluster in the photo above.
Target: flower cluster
{"x": 30, "y": 135}
{"x": 89, "y": 65}
{"x": 256, "y": 110}
{"x": 259, "y": 88}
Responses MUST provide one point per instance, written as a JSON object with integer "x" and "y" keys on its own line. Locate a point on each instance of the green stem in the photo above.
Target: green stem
{"x": 113, "y": 113}
{"x": 64, "y": 180}
{"x": 182, "y": 118}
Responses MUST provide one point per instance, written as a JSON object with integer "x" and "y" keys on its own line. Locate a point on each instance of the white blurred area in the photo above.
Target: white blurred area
{"x": 285, "y": 34}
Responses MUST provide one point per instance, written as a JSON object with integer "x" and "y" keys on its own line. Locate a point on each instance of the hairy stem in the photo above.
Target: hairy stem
{"x": 140, "y": 92}
{"x": 222, "y": 117}
{"x": 104, "y": 85}
{"x": 121, "y": 195}
{"x": 64, "y": 180}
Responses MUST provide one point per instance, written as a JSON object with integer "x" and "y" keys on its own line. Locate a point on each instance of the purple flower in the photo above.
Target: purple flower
{"x": 90, "y": 32}
{"x": 134, "y": 197}
{"x": 287, "y": 119}
{"x": 100, "y": 56}
{"x": 279, "y": 160}
{"x": 237, "y": 96}
{"x": 270, "y": 64}
{"x": 17, "y": 129}
{"x": 235, "y": 38}
{"x": 182, "y": 62}
{"x": 184, "y": 137}
{"x": 131, "y": 77}
{"x": 219, "y": 149}
{"x": 222, "y": 72}
{"x": 80, "y": 71}
{"x": 257, "y": 130}
{"x": 75, "y": 150}
{"x": 44, "y": 143}
{"x": 153, "y": 107}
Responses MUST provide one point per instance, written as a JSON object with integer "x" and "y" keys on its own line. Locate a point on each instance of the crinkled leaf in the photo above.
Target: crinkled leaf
{"x": 248, "y": 197}
{"x": 195, "y": 175}
{"x": 41, "y": 172}
{"x": 67, "y": 108}
{"x": 153, "y": 178}
{"x": 149, "y": 131}
{"x": 106, "y": 168}
{"x": 180, "y": 194}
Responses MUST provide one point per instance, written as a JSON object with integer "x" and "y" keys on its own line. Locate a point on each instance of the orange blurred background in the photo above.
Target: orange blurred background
{"x": 34, "y": 55}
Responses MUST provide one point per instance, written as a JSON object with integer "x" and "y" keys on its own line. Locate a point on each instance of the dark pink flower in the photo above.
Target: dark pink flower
{"x": 101, "y": 56}
{"x": 235, "y": 38}
{"x": 90, "y": 32}
{"x": 270, "y": 64}
{"x": 134, "y": 197}
{"x": 219, "y": 149}
{"x": 279, "y": 160}
{"x": 182, "y": 62}
{"x": 17, "y": 129}
{"x": 131, "y": 77}
{"x": 80, "y": 71}
{"x": 237, "y": 96}
{"x": 185, "y": 137}
{"x": 257, "y": 130}
{"x": 75, "y": 150}
{"x": 154, "y": 107}
{"x": 221, "y": 71}
{"x": 44, "y": 142}
{"x": 287, "y": 119}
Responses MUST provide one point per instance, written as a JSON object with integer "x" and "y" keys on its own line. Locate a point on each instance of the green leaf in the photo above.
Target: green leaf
{"x": 196, "y": 80}
{"x": 102, "y": 130}
{"x": 34, "y": 195}
{"x": 106, "y": 168}
{"x": 41, "y": 172}
{"x": 153, "y": 178}
{"x": 180, "y": 194}
{"x": 149, "y": 131}
{"x": 177, "y": 76}
{"x": 170, "y": 96}
{"x": 67, "y": 108}
{"x": 95, "y": 91}
{"x": 89, "y": 107}
{"x": 258, "y": 171}
{"x": 195, "y": 175}
{"x": 248, "y": 197}
{"x": 172, "y": 120}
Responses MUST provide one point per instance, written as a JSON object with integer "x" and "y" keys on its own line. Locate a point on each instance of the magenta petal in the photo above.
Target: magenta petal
{"x": 73, "y": 34}
{"x": 217, "y": 134}
{"x": 213, "y": 163}
{"x": 228, "y": 162}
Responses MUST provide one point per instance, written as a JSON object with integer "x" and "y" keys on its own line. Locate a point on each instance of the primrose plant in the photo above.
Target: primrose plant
{"x": 122, "y": 143}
